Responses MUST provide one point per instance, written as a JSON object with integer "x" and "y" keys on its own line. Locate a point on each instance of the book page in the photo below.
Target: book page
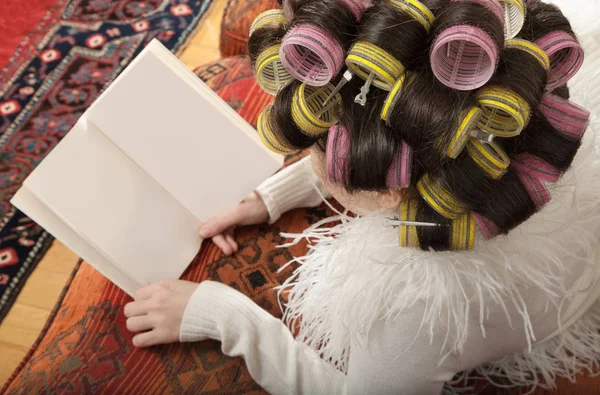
{"x": 108, "y": 200}
{"x": 56, "y": 226}
{"x": 183, "y": 135}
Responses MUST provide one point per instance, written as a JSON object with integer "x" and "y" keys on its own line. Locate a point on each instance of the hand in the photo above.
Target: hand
{"x": 250, "y": 211}
{"x": 157, "y": 311}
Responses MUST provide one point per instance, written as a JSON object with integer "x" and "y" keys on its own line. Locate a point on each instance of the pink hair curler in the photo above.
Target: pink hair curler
{"x": 566, "y": 57}
{"x": 464, "y": 57}
{"x": 487, "y": 227}
{"x": 536, "y": 189}
{"x": 356, "y": 7}
{"x": 535, "y": 167}
{"x": 311, "y": 55}
{"x": 565, "y": 116}
{"x": 287, "y": 10}
{"x": 338, "y": 150}
{"x": 399, "y": 174}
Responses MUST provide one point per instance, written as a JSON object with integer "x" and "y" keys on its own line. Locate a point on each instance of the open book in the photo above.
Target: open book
{"x": 154, "y": 156}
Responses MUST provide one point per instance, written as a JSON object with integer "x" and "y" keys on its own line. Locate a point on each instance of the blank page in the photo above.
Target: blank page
{"x": 182, "y": 135}
{"x": 108, "y": 200}
{"x": 49, "y": 220}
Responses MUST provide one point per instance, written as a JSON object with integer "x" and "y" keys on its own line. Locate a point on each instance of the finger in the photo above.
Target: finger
{"x": 255, "y": 211}
{"x": 139, "y": 324}
{"x": 147, "y": 291}
{"x": 136, "y": 308}
{"x": 223, "y": 244}
{"x": 218, "y": 224}
{"x": 147, "y": 339}
{"x": 231, "y": 239}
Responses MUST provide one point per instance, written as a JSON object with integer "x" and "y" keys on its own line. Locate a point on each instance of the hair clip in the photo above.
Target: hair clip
{"x": 338, "y": 151}
{"x": 535, "y": 167}
{"x": 461, "y": 137}
{"x": 566, "y": 57}
{"x": 481, "y": 136}
{"x": 532, "y": 49}
{"x": 346, "y": 77}
{"x": 270, "y": 73}
{"x": 505, "y": 113}
{"x": 417, "y": 10}
{"x": 311, "y": 54}
{"x": 514, "y": 17}
{"x": 439, "y": 198}
{"x": 395, "y": 222}
{"x": 535, "y": 188}
{"x": 487, "y": 227}
{"x": 267, "y": 134}
{"x": 374, "y": 65}
{"x": 464, "y": 57}
{"x": 392, "y": 98}
{"x": 462, "y": 234}
{"x": 310, "y": 110}
{"x": 272, "y": 18}
{"x": 490, "y": 157}
{"x": 565, "y": 116}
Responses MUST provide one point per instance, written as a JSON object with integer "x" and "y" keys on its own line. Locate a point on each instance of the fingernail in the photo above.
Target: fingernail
{"x": 203, "y": 233}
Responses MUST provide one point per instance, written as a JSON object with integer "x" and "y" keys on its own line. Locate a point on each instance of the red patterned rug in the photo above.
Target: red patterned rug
{"x": 69, "y": 51}
{"x": 18, "y": 19}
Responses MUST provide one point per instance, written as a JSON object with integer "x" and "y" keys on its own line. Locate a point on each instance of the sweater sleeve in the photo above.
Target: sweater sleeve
{"x": 274, "y": 359}
{"x": 295, "y": 186}
{"x": 396, "y": 358}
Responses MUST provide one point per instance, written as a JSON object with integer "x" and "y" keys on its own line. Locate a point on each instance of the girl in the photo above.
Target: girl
{"x": 444, "y": 125}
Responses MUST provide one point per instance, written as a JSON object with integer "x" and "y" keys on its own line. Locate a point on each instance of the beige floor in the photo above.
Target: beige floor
{"x": 25, "y": 320}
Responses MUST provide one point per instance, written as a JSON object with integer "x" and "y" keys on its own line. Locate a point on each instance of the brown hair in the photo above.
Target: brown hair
{"x": 427, "y": 113}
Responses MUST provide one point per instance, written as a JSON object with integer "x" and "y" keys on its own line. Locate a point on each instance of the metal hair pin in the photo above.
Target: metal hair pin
{"x": 345, "y": 79}
{"x": 482, "y": 136}
{"x": 395, "y": 222}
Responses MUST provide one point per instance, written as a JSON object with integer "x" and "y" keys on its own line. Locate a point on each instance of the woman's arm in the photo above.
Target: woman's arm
{"x": 275, "y": 360}
{"x": 293, "y": 187}
{"x": 396, "y": 358}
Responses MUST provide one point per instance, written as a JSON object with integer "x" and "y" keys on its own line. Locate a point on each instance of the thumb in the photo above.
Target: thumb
{"x": 221, "y": 222}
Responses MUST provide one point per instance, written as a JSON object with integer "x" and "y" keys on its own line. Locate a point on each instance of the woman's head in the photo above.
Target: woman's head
{"x": 445, "y": 117}
{"x": 358, "y": 201}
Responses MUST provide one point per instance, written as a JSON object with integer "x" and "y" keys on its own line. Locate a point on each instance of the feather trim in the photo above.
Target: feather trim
{"x": 573, "y": 351}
